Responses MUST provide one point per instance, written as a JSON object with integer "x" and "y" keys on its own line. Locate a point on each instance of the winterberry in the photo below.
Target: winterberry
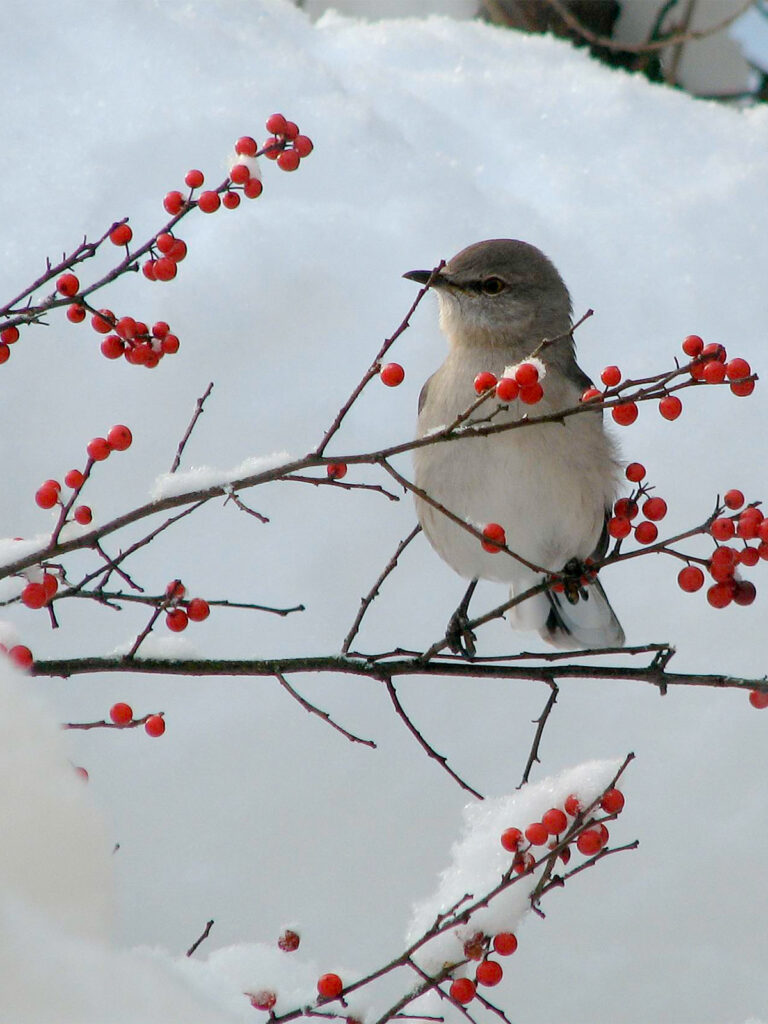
{"x": 103, "y": 321}
{"x": 160, "y": 329}
{"x": 611, "y": 376}
{"x": 194, "y": 178}
{"x": 646, "y": 533}
{"x": 198, "y": 609}
{"x": 177, "y": 620}
{"x": 619, "y": 527}
{"x": 119, "y": 437}
{"x": 690, "y": 579}
{"x": 209, "y": 202}
{"x": 624, "y": 414}
{"x": 591, "y": 394}
{"x": 46, "y": 496}
{"x": 720, "y": 595}
{"x": 164, "y": 242}
{"x": 589, "y": 842}
{"x": 112, "y": 347}
{"x": 252, "y": 189}
{"x": 572, "y": 805}
{"x": 273, "y": 147}
{"x": 121, "y": 235}
{"x": 612, "y": 801}
{"x": 165, "y": 268}
{"x": 74, "y": 479}
{"x": 246, "y": 146}
{"x": 713, "y": 372}
{"x": 626, "y": 508}
{"x": 693, "y": 345}
{"x": 83, "y": 515}
{"x": 555, "y": 821}
{"x": 170, "y": 344}
{"x": 495, "y": 536}
{"x": 98, "y": 449}
{"x": 50, "y": 585}
{"x": 173, "y": 203}
{"x": 744, "y": 593}
{"x": 507, "y": 389}
{"x": 526, "y": 374}
{"x": 723, "y": 528}
{"x": 21, "y": 656}
{"x": 511, "y": 839}
{"x": 240, "y": 173}
{"x": 275, "y": 124}
{"x": 670, "y": 407}
{"x": 75, "y": 313}
{"x": 175, "y": 590}
{"x": 655, "y": 509}
{"x": 9, "y": 335}
{"x": 303, "y": 145}
{"x": 737, "y": 369}
{"x": 733, "y": 499}
{"x": 742, "y": 388}
{"x": 749, "y": 556}
{"x": 474, "y": 946}
{"x": 336, "y": 470}
{"x": 230, "y": 200}
{"x": 505, "y": 943}
{"x": 537, "y": 834}
{"x": 33, "y": 595}
{"x": 68, "y": 285}
{"x": 531, "y": 393}
{"x": 484, "y": 381}
{"x": 5, "y": 352}
{"x": 154, "y": 725}
{"x": 489, "y": 973}
{"x": 523, "y": 863}
{"x": 329, "y": 986}
{"x": 462, "y": 990}
{"x": 635, "y": 472}
{"x": 148, "y": 270}
{"x": 121, "y": 714}
{"x": 263, "y": 1000}
{"x": 758, "y": 699}
{"x": 392, "y": 374}
{"x": 289, "y": 941}
{"x": 288, "y": 160}
{"x": 291, "y": 130}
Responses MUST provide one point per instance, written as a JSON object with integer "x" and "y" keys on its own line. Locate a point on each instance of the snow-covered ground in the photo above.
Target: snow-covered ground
{"x": 429, "y": 134}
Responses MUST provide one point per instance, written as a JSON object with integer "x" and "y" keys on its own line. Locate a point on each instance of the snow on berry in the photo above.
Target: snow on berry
{"x": 478, "y": 860}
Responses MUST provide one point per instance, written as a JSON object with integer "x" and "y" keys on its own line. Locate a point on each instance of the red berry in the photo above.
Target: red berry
{"x": 720, "y": 595}
{"x": 336, "y": 470}
{"x": 690, "y": 579}
{"x": 119, "y": 438}
{"x": 68, "y": 285}
{"x": 484, "y": 381}
{"x": 723, "y": 528}
{"x": 154, "y": 725}
{"x": 749, "y": 523}
{"x": 121, "y": 714}
{"x": 198, "y": 609}
{"x": 230, "y": 200}
{"x": 591, "y": 394}
{"x": 177, "y": 620}
{"x": 164, "y": 242}
{"x": 619, "y": 527}
{"x": 209, "y": 202}
{"x": 98, "y": 449}
{"x": 253, "y": 188}
{"x": 572, "y": 805}
{"x": 474, "y": 947}
{"x": 507, "y": 389}
{"x": 611, "y": 376}
{"x": 635, "y": 472}
{"x": 112, "y": 347}
{"x": 275, "y": 124}
{"x": 646, "y": 533}
{"x": 329, "y": 986}
{"x": 462, "y": 990}
{"x": 246, "y": 146}
{"x": 194, "y": 178}
{"x": 489, "y": 973}
{"x": 589, "y": 842}
{"x": 737, "y": 369}
{"x": 713, "y": 372}
{"x": 33, "y": 595}
{"x": 74, "y": 479}
{"x": 612, "y": 801}
{"x": 5, "y": 352}
{"x": 494, "y": 534}
{"x": 121, "y": 235}
{"x": 50, "y": 585}
{"x": 288, "y": 160}
{"x": 537, "y": 833}
{"x": 303, "y": 145}
{"x": 165, "y": 268}
{"x": 670, "y": 407}
{"x": 263, "y": 1000}
{"x": 531, "y": 394}
{"x": 626, "y": 508}
{"x": 526, "y": 374}
{"x": 733, "y": 499}
{"x": 160, "y": 329}
{"x": 173, "y": 203}
{"x": 175, "y": 589}
{"x": 273, "y": 147}
{"x": 523, "y": 862}
{"x": 125, "y": 328}
{"x": 148, "y": 270}
{"x": 83, "y": 515}
{"x": 714, "y": 351}
{"x": 170, "y": 344}
{"x": 693, "y": 345}
{"x": 9, "y": 335}
{"x": 82, "y": 772}
{"x": 758, "y": 699}
{"x": 554, "y": 821}
{"x": 655, "y": 509}
{"x": 749, "y": 556}
{"x": 46, "y": 496}
{"x": 392, "y": 374}
{"x": 289, "y": 941}
{"x": 240, "y": 173}
{"x": 21, "y": 656}
{"x": 75, "y": 313}
{"x": 291, "y": 130}
{"x": 744, "y": 593}
{"x": 505, "y": 943}
{"x": 624, "y": 414}
{"x": 743, "y": 388}
{"x": 511, "y": 839}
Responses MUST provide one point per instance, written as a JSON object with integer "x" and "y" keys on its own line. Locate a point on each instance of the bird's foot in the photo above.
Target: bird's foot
{"x": 458, "y": 635}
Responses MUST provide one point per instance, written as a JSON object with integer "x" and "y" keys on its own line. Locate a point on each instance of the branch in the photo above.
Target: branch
{"x": 206, "y": 932}
{"x": 321, "y": 714}
{"x": 195, "y": 417}
{"x": 541, "y": 722}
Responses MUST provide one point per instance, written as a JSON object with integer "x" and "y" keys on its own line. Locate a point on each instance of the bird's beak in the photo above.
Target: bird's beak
{"x": 421, "y": 276}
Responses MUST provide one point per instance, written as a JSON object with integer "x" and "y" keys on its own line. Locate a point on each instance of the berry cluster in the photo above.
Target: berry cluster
{"x": 625, "y": 510}
{"x": 132, "y": 339}
{"x": 182, "y": 611}
{"x": 557, "y": 833}
{"x": 285, "y": 144}
{"x": 522, "y": 382}
{"x": 121, "y": 715}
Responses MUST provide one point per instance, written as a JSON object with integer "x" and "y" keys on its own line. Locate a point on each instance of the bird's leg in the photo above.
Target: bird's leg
{"x": 575, "y": 576}
{"x": 460, "y": 637}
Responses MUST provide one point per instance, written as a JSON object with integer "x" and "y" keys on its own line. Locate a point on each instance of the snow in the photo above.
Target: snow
{"x": 197, "y": 478}
{"x": 430, "y": 134}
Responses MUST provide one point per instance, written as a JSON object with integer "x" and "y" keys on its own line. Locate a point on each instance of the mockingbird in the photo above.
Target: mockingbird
{"x": 551, "y": 486}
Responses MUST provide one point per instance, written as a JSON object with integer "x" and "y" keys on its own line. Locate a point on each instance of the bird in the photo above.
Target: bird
{"x": 551, "y": 486}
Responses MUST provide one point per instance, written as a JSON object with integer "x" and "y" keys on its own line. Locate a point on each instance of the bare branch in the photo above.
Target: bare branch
{"x": 321, "y": 714}
{"x": 195, "y": 417}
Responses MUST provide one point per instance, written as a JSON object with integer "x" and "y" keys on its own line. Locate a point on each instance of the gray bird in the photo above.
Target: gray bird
{"x": 551, "y": 486}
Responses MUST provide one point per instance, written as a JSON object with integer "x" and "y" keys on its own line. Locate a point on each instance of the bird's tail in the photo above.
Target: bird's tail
{"x": 588, "y": 622}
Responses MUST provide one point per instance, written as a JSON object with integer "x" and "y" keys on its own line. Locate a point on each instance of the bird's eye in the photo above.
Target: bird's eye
{"x": 493, "y": 285}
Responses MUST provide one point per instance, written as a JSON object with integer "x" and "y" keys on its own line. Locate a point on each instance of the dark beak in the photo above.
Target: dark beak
{"x": 420, "y": 276}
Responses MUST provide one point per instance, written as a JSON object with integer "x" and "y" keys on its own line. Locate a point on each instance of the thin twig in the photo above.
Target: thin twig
{"x": 206, "y": 932}
{"x": 321, "y": 714}
{"x": 195, "y": 417}
{"x": 319, "y": 481}
{"x": 541, "y": 722}
{"x": 366, "y": 601}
